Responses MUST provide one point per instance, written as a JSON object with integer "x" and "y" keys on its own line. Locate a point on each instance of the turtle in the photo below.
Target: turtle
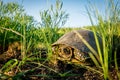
{"x": 70, "y": 47}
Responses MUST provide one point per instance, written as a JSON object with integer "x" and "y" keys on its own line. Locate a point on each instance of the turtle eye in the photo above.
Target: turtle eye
{"x": 66, "y": 51}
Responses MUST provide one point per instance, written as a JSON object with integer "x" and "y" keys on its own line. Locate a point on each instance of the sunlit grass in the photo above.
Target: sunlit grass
{"x": 49, "y": 31}
{"x": 107, "y": 29}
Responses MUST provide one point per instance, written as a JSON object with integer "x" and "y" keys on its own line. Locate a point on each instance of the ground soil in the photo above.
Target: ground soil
{"x": 45, "y": 70}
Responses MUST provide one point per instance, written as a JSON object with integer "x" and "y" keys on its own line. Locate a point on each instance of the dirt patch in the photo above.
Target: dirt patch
{"x": 42, "y": 69}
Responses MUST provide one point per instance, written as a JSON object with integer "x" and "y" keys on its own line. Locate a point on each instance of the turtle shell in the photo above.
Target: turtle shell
{"x": 71, "y": 47}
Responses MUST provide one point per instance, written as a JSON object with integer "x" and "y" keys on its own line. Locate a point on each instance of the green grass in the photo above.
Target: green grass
{"x": 107, "y": 28}
{"x": 32, "y": 35}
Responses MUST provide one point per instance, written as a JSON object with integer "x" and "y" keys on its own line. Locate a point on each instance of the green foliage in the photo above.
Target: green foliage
{"x": 15, "y": 25}
{"x": 52, "y": 20}
{"x": 9, "y": 65}
{"x": 108, "y": 28}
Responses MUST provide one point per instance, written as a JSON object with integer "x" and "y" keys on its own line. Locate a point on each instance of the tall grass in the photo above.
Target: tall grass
{"x": 107, "y": 28}
{"x": 51, "y": 22}
{"x": 23, "y": 29}
{"x": 15, "y": 25}
{"x": 29, "y": 35}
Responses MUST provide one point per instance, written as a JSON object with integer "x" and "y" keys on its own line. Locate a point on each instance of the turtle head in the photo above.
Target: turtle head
{"x": 70, "y": 54}
{"x": 63, "y": 52}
